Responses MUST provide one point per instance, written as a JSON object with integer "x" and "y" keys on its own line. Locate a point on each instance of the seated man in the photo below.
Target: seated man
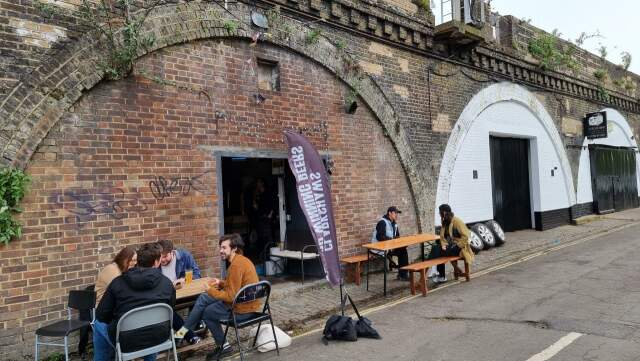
{"x": 140, "y": 286}
{"x": 387, "y": 229}
{"x": 215, "y": 304}
{"x": 174, "y": 264}
{"x": 454, "y": 241}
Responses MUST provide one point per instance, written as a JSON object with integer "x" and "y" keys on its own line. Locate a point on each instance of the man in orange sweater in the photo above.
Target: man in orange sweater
{"x": 215, "y": 304}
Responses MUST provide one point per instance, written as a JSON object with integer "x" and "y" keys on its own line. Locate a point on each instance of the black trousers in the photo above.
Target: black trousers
{"x": 403, "y": 260}
{"x": 436, "y": 251}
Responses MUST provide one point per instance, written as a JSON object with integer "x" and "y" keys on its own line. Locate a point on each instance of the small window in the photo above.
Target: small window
{"x": 268, "y": 75}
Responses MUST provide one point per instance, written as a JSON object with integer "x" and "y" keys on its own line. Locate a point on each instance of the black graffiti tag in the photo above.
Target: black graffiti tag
{"x": 162, "y": 187}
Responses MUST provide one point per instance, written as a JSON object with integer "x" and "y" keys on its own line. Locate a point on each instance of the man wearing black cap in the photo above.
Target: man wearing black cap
{"x": 387, "y": 229}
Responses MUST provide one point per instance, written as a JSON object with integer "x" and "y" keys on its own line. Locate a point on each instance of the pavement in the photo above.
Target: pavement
{"x": 577, "y": 300}
{"x": 298, "y": 309}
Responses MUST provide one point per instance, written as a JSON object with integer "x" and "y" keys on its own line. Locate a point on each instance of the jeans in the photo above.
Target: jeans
{"x": 211, "y": 311}
{"x": 436, "y": 251}
{"x": 103, "y": 348}
{"x": 178, "y": 322}
{"x": 403, "y": 260}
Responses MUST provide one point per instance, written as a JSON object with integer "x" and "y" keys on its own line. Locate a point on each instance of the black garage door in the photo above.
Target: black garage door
{"x": 613, "y": 178}
{"x": 510, "y": 181}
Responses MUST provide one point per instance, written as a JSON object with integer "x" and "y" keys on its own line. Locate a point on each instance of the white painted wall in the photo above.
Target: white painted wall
{"x": 619, "y": 135}
{"x": 507, "y": 110}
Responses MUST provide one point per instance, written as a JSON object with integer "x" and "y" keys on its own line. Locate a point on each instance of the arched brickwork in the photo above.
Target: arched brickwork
{"x": 36, "y": 104}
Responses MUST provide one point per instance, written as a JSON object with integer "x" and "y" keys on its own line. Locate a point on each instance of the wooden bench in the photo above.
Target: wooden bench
{"x": 357, "y": 260}
{"x": 423, "y": 268}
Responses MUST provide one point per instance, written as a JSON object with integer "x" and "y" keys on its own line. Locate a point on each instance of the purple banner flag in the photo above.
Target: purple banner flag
{"x": 314, "y": 196}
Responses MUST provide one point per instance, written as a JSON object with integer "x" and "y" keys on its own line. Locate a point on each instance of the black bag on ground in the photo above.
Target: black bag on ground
{"x": 364, "y": 329}
{"x": 339, "y": 328}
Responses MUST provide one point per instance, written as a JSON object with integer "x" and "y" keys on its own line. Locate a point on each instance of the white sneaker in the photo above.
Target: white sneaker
{"x": 439, "y": 279}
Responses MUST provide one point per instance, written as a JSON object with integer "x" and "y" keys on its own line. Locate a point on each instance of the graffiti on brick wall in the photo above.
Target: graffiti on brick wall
{"x": 162, "y": 187}
{"x": 85, "y": 204}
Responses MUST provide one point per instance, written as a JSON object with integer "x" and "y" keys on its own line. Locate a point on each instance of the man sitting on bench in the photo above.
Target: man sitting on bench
{"x": 387, "y": 229}
{"x": 454, "y": 241}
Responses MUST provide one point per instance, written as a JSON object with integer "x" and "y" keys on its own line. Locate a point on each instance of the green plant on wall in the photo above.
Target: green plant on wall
{"x": 552, "y": 55}
{"x": 313, "y": 36}
{"x": 423, "y": 4}
{"x": 104, "y": 19}
{"x": 13, "y": 186}
{"x": 625, "y": 60}
{"x": 230, "y": 26}
{"x": 601, "y": 74}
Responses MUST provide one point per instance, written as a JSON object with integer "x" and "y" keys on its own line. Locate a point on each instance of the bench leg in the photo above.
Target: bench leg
{"x": 412, "y": 283}
{"x": 423, "y": 281}
{"x": 467, "y": 273}
{"x": 357, "y": 274}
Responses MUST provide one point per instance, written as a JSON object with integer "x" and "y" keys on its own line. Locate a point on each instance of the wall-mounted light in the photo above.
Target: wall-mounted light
{"x": 259, "y": 98}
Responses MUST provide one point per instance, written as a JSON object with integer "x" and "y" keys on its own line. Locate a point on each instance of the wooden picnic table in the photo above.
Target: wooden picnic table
{"x": 386, "y": 246}
{"x": 188, "y": 294}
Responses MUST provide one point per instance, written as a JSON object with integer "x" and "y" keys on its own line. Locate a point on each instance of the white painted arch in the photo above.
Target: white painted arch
{"x": 509, "y": 110}
{"x": 619, "y": 134}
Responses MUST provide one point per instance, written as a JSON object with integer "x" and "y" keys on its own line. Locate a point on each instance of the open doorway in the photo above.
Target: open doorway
{"x": 260, "y": 203}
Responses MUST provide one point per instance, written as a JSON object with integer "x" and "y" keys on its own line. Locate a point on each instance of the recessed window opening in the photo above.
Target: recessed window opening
{"x": 268, "y": 75}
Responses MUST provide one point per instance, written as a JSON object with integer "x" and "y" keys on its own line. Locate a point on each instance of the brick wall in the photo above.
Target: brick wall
{"x": 96, "y": 174}
{"x": 95, "y": 171}
{"x": 515, "y": 35}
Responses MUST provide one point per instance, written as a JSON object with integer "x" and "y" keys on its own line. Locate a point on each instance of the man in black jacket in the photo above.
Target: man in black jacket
{"x": 387, "y": 229}
{"x": 140, "y": 286}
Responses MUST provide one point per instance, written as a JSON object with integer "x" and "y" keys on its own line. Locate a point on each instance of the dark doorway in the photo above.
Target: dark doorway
{"x": 260, "y": 202}
{"x": 613, "y": 178}
{"x": 251, "y": 203}
{"x": 510, "y": 181}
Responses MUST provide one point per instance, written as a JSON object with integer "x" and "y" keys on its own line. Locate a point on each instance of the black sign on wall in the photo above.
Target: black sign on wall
{"x": 595, "y": 125}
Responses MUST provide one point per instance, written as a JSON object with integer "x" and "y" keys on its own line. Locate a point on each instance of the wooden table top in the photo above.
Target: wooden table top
{"x": 401, "y": 242}
{"x": 196, "y": 287}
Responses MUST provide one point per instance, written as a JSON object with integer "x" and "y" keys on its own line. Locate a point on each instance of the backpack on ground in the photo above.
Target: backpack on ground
{"x": 339, "y": 328}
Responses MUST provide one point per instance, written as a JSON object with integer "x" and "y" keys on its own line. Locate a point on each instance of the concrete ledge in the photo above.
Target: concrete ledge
{"x": 586, "y": 219}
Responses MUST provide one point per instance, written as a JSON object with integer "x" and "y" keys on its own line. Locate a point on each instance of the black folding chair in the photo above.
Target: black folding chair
{"x": 246, "y": 294}
{"x": 83, "y": 341}
{"x": 81, "y": 300}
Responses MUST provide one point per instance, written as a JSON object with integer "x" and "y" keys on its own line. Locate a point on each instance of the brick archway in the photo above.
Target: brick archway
{"x": 36, "y": 104}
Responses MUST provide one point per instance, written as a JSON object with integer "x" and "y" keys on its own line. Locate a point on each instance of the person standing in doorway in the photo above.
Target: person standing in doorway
{"x": 454, "y": 241}
{"x": 263, "y": 214}
{"x": 386, "y": 229}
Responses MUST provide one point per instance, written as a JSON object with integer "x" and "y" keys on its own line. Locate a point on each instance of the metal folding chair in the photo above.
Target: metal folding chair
{"x": 81, "y": 300}
{"x": 134, "y": 320}
{"x": 246, "y": 294}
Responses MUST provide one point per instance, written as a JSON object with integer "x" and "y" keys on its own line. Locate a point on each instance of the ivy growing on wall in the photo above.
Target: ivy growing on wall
{"x": 13, "y": 186}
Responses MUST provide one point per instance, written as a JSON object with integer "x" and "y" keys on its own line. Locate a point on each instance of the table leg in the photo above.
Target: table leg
{"x": 368, "y": 258}
{"x": 385, "y": 273}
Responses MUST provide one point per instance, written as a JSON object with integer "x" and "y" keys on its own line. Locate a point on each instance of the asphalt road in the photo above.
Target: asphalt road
{"x": 578, "y": 303}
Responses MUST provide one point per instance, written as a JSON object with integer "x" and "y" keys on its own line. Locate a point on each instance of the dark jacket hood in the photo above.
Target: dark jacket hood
{"x": 143, "y": 278}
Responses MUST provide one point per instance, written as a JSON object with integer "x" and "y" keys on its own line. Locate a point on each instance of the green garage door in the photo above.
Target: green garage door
{"x": 613, "y": 178}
